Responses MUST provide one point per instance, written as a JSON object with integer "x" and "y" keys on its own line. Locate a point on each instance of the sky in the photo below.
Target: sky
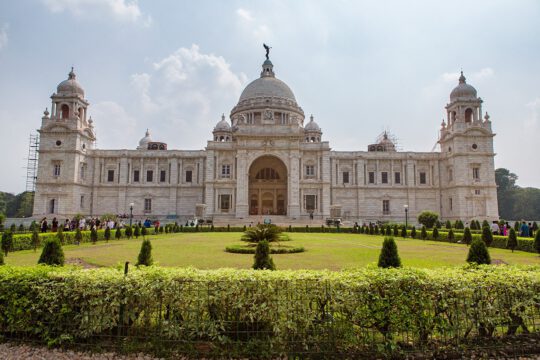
{"x": 360, "y": 67}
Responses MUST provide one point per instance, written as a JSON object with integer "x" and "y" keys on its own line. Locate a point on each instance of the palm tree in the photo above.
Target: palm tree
{"x": 268, "y": 232}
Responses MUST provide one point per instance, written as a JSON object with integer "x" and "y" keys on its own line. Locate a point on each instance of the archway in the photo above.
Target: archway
{"x": 268, "y": 186}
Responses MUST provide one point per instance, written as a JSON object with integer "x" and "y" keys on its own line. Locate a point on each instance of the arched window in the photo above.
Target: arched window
{"x": 468, "y": 115}
{"x": 81, "y": 113}
{"x": 65, "y": 111}
{"x": 267, "y": 174}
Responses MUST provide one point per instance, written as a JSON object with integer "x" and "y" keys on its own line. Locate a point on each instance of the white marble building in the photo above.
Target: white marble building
{"x": 267, "y": 160}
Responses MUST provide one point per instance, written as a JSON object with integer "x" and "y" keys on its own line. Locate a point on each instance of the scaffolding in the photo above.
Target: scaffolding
{"x": 32, "y": 162}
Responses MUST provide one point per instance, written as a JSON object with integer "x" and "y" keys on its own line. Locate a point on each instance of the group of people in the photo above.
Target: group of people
{"x": 82, "y": 224}
{"x": 525, "y": 229}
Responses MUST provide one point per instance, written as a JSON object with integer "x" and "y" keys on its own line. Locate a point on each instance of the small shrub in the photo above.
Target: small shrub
{"x": 473, "y": 225}
{"x": 487, "y": 236}
{"x": 263, "y": 260}
{"x": 156, "y": 229}
{"x": 7, "y": 242}
{"x": 388, "y": 230}
{"x": 435, "y": 233}
{"x": 459, "y": 224}
{"x": 389, "y": 256}
{"x": 536, "y": 243}
{"x": 485, "y": 224}
{"x": 438, "y": 224}
{"x": 413, "y": 232}
{"x": 262, "y": 232}
{"x": 93, "y": 236}
{"x": 78, "y": 236}
{"x": 512, "y": 240}
{"x": 21, "y": 228}
{"x": 423, "y": 233}
{"x": 107, "y": 234}
{"x": 478, "y": 253}
{"x": 161, "y": 229}
{"x": 517, "y": 225}
{"x": 144, "y": 231}
{"x": 467, "y": 236}
{"x": 396, "y": 230}
{"x": 35, "y": 239}
{"x": 1, "y": 258}
{"x": 128, "y": 232}
{"x": 118, "y": 233}
{"x": 137, "y": 231}
{"x": 376, "y": 229}
{"x": 428, "y": 218}
{"x": 448, "y": 224}
{"x": 403, "y": 231}
{"x": 52, "y": 253}
{"x": 145, "y": 255}
{"x": 451, "y": 237}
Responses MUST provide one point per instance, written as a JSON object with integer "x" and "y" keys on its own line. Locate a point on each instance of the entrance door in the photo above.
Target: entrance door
{"x": 268, "y": 186}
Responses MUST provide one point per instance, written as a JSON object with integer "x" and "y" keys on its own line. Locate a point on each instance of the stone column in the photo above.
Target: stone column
{"x": 325, "y": 193}
{"x": 209, "y": 183}
{"x": 173, "y": 189}
{"x": 294, "y": 187}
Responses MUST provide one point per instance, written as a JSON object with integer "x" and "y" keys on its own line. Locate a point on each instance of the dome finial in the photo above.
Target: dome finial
{"x": 462, "y": 78}
{"x": 222, "y": 116}
{"x": 71, "y": 75}
{"x": 311, "y": 118}
{"x": 147, "y": 133}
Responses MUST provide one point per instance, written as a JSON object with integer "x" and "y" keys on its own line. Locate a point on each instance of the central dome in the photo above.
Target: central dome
{"x": 267, "y": 86}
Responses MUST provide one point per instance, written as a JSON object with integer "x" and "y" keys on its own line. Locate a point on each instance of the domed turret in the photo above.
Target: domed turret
{"x": 222, "y": 125}
{"x": 222, "y": 131}
{"x": 312, "y": 131}
{"x": 463, "y": 91}
{"x": 143, "y": 143}
{"x": 70, "y": 86}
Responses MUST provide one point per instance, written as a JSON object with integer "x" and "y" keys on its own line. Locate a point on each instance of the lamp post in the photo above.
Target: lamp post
{"x": 406, "y": 207}
{"x": 130, "y": 213}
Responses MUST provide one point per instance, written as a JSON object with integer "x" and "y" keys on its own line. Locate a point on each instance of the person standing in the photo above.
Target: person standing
{"x": 44, "y": 225}
{"x": 524, "y": 229}
{"x": 54, "y": 227}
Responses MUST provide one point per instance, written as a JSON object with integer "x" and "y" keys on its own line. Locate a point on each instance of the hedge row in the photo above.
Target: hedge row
{"x": 233, "y": 312}
{"x": 24, "y": 241}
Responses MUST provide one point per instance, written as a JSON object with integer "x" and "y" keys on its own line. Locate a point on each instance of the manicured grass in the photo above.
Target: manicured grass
{"x": 323, "y": 251}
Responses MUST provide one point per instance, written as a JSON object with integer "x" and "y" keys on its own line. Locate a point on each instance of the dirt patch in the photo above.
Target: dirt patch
{"x": 80, "y": 262}
{"x": 498, "y": 262}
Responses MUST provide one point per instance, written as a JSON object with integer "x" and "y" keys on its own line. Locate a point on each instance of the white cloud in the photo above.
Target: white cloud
{"x": 4, "y": 35}
{"x": 184, "y": 94}
{"x": 481, "y": 74}
{"x": 259, "y": 31}
{"x": 245, "y": 14}
{"x": 115, "y": 128}
{"x": 121, "y": 10}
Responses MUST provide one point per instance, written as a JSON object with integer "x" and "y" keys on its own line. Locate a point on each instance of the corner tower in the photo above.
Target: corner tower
{"x": 67, "y": 136}
{"x": 468, "y": 170}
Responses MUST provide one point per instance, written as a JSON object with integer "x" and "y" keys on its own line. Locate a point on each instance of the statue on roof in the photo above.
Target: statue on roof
{"x": 267, "y": 48}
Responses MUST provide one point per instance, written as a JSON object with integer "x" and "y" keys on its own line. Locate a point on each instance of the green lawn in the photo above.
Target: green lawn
{"x": 323, "y": 251}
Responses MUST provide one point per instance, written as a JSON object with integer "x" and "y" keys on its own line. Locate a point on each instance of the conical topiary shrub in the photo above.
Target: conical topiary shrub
{"x": 93, "y": 235}
{"x": 144, "y": 231}
{"x": 137, "y": 231}
{"x": 413, "y": 232}
{"x": 7, "y": 242}
{"x": 487, "y": 236}
{"x": 118, "y": 233}
{"x": 478, "y": 253}
{"x": 1, "y": 258}
{"x": 78, "y": 236}
{"x": 60, "y": 234}
{"x": 263, "y": 261}
{"x": 512, "y": 243}
{"x": 52, "y": 253}
{"x": 403, "y": 231}
{"x": 145, "y": 255}
{"x": 35, "y": 239}
{"x": 423, "y": 234}
{"x": 536, "y": 243}
{"x": 450, "y": 237}
{"x": 128, "y": 231}
{"x": 107, "y": 234}
{"x": 389, "y": 256}
{"x": 435, "y": 233}
{"x": 467, "y": 236}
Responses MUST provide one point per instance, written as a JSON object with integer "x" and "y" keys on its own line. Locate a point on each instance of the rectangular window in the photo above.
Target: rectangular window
{"x": 386, "y": 207}
{"x": 189, "y": 176}
{"x": 476, "y": 173}
{"x": 110, "y": 175}
{"x": 225, "y": 171}
{"x": 451, "y": 204}
{"x": 56, "y": 170}
{"x": 162, "y": 176}
{"x": 372, "y": 177}
{"x": 345, "y": 177}
{"x": 397, "y": 178}
{"x": 136, "y": 175}
{"x": 310, "y": 202}
{"x": 422, "y": 178}
{"x": 384, "y": 177}
{"x": 147, "y": 205}
{"x": 450, "y": 175}
{"x": 310, "y": 170}
{"x": 225, "y": 202}
{"x": 82, "y": 202}
{"x": 477, "y": 192}
{"x": 83, "y": 170}
{"x": 149, "y": 176}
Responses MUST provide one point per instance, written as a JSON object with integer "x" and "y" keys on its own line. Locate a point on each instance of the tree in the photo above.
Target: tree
{"x": 7, "y": 242}
{"x": 423, "y": 233}
{"x": 388, "y": 230}
{"x": 428, "y": 218}
{"x": 458, "y": 224}
{"x": 156, "y": 229}
{"x": 107, "y": 234}
{"x": 487, "y": 235}
{"x": 511, "y": 243}
{"x": 473, "y": 225}
{"x": 389, "y": 256}
{"x": 448, "y": 224}
{"x": 435, "y": 233}
{"x": 118, "y": 233}
{"x": 145, "y": 255}
{"x": 478, "y": 253}
{"x": 136, "y": 232}
{"x": 93, "y": 235}
{"x": 506, "y": 189}
{"x": 413, "y": 232}
{"x": 450, "y": 237}
{"x": 78, "y": 236}
{"x": 485, "y": 224}
{"x": 467, "y": 236}
{"x": 262, "y": 232}
{"x": 263, "y": 261}
{"x": 60, "y": 234}
{"x": 403, "y": 231}
{"x": 52, "y": 253}
{"x": 21, "y": 228}
{"x": 35, "y": 239}
{"x": 536, "y": 243}
{"x": 396, "y": 230}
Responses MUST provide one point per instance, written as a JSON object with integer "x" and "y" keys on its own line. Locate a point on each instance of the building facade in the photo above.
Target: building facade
{"x": 265, "y": 160}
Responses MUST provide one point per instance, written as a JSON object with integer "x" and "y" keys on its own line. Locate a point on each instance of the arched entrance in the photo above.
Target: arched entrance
{"x": 268, "y": 186}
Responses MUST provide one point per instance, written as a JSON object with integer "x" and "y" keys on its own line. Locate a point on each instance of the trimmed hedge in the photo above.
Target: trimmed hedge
{"x": 246, "y": 249}
{"x": 248, "y": 313}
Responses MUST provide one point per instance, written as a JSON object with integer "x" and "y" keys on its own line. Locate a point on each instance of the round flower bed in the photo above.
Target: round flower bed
{"x": 274, "y": 249}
